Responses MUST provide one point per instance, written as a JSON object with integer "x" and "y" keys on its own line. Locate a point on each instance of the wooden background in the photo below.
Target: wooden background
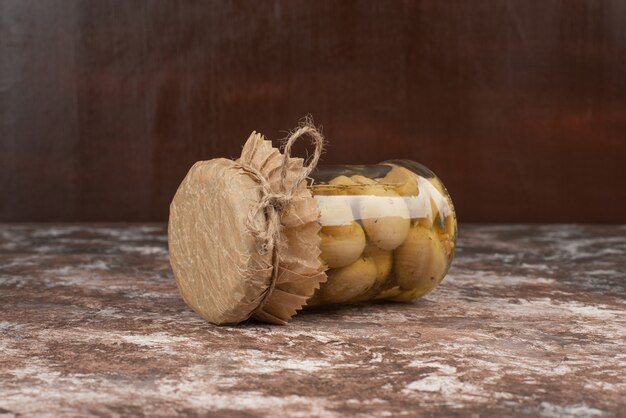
{"x": 519, "y": 106}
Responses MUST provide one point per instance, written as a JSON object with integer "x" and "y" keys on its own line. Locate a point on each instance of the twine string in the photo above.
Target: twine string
{"x": 273, "y": 203}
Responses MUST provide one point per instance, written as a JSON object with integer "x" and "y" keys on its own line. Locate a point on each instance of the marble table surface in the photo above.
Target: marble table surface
{"x": 531, "y": 321}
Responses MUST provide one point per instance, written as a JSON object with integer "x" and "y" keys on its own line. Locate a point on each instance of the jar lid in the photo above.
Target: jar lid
{"x": 244, "y": 235}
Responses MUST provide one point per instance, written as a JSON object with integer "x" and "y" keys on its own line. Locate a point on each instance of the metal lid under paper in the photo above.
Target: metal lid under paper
{"x": 244, "y": 235}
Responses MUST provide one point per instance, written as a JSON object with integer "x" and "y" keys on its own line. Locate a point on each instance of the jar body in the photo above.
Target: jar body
{"x": 388, "y": 232}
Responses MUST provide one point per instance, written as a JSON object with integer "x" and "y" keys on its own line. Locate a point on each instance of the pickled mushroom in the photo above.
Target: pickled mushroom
{"x": 341, "y": 245}
{"x": 385, "y": 219}
{"x": 349, "y": 282}
{"x": 404, "y": 180}
{"x": 382, "y": 259}
{"x": 420, "y": 262}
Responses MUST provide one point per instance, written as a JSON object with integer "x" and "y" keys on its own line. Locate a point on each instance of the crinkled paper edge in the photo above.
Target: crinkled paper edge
{"x": 300, "y": 268}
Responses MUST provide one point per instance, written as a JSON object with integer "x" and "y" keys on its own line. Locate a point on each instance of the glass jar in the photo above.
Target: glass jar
{"x": 388, "y": 231}
{"x": 250, "y": 238}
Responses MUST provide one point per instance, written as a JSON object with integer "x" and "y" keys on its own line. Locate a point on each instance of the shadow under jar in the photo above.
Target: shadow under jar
{"x": 388, "y": 231}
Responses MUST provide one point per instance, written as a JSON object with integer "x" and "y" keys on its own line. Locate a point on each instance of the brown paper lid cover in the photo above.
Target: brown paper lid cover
{"x": 219, "y": 268}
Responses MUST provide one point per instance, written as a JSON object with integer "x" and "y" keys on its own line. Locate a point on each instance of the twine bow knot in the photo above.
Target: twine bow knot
{"x": 274, "y": 203}
{"x": 277, "y": 201}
